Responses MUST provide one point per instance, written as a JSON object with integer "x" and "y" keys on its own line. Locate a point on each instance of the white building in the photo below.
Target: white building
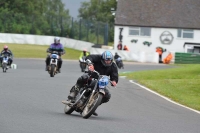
{"x": 171, "y": 24}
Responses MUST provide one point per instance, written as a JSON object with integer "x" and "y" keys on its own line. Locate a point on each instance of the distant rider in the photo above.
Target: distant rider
{"x": 83, "y": 53}
{"x": 58, "y": 47}
{"x": 116, "y": 58}
{"x": 7, "y": 52}
{"x": 105, "y": 66}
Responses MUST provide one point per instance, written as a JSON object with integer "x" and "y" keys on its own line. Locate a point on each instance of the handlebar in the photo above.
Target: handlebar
{"x": 99, "y": 76}
{"x": 54, "y": 52}
{"x": 6, "y": 55}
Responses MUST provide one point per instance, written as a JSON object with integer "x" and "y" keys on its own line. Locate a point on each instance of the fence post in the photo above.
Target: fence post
{"x": 87, "y": 30}
{"x": 32, "y": 26}
{"x": 4, "y": 22}
{"x": 80, "y": 30}
{"x": 97, "y": 32}
{"x": 62, "y": 29}
{"x": 106, "y": 34}
{"x": 72, "y": 27}
{"x": 52, "y": 31}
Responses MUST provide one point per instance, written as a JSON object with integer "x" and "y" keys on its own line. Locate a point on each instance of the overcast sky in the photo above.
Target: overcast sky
{"x": 73, "y": 6}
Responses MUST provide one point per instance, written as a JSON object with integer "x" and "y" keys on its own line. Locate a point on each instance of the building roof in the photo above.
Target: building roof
{"x": 159, "y": 13}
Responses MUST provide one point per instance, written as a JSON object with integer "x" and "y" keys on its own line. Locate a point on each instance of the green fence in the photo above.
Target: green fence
{"x": 187, "y": 58}
{"x": 90, "y": 31}
{"x": 79, "y": 29}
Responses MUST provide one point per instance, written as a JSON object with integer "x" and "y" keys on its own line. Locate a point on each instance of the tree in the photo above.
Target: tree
{"x": 35, "y": 17}
{"x": 99, "y": 10}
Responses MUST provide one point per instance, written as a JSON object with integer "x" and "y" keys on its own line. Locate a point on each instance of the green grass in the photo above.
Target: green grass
{"x": 38, "y": 51}
{"x": 181, "y": 84}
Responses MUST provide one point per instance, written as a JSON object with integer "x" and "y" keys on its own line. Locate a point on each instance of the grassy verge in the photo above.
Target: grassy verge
{"x": 181, "y": 84}
{"x": 31, "y": 51}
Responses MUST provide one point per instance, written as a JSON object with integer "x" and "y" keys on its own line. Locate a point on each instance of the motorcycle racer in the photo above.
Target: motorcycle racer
{"x": 7, "y": 52}
{"x": 105, "y": 66}
{"x": 56, "y": 46}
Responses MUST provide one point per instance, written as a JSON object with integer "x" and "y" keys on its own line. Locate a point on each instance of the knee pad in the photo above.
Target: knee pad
{"x": 84, "y": 77}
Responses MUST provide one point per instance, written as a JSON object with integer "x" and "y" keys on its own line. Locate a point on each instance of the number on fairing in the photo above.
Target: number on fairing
{"x": 54, "y": 56}
{"x": 103, "y": 82}
{"x": 5, "y": 59}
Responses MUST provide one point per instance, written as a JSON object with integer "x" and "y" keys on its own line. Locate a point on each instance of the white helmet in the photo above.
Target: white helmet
{"x": 56, "y": 40}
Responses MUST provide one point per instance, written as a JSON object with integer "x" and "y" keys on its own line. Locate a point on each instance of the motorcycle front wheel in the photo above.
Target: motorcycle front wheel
{"x": 4, "y": 67}
{"x": 92, "y": 105}
{"x": 52, "y": 71}
{"x": 83, "y": 67}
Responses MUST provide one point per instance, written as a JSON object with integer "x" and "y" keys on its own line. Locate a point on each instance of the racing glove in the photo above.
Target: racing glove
{"x": 91, "y": 67}
{"x": 113, "y": 83}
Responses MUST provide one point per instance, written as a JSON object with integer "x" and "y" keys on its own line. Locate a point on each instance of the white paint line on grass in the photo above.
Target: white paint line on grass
{"x": 164, "y": 97}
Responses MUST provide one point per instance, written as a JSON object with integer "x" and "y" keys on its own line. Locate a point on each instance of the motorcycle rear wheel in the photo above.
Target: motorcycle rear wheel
{"x": 92, "y": 105}
{"x": 120, "y": 65}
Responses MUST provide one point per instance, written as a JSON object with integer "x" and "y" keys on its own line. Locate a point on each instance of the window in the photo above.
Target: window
{"x": 140, "y": 31}
{"x": 196, "y": 50}
{"x": 185, "y": 33}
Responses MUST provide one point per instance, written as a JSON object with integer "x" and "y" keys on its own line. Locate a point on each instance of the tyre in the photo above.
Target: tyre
{"x": 4, "y": 67}
{"x": 52, "y": 71}
{"x": 120, "y": 66}
{"x": 83, "y": 66}
{"x": 92, "y": 105}
{"x": 68, "y": 110}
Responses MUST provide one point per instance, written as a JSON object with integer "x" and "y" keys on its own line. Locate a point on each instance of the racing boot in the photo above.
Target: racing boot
{"x": 95, "y": 113}
{"x": 46, "y": 69}
{"x": 59, "y": 71}
{"x": 72, "y": 95}
{"x": 71, "y": 98}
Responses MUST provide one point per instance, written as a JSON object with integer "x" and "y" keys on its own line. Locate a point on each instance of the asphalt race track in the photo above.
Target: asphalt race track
{"x": 30, "y": 102}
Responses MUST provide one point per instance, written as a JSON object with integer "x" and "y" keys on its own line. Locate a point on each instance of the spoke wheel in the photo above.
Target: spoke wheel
{"x": 92, "y": 105}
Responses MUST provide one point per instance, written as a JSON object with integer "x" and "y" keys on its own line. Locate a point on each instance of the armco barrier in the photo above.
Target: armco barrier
{"x": 43, "y": 40}
{"x": 137, "y": 56}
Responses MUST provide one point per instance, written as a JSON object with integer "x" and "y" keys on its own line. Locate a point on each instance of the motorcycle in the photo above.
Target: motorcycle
{"x": 89, "y": 96}
{"x": 83, "y": 63}
{"x": 119, "y": 63}
{"x": 53, "y": 67}
{"x": 5, "y": 63}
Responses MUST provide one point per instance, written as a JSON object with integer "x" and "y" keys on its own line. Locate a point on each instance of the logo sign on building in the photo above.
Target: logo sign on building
{"x": 166, "y": 37}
